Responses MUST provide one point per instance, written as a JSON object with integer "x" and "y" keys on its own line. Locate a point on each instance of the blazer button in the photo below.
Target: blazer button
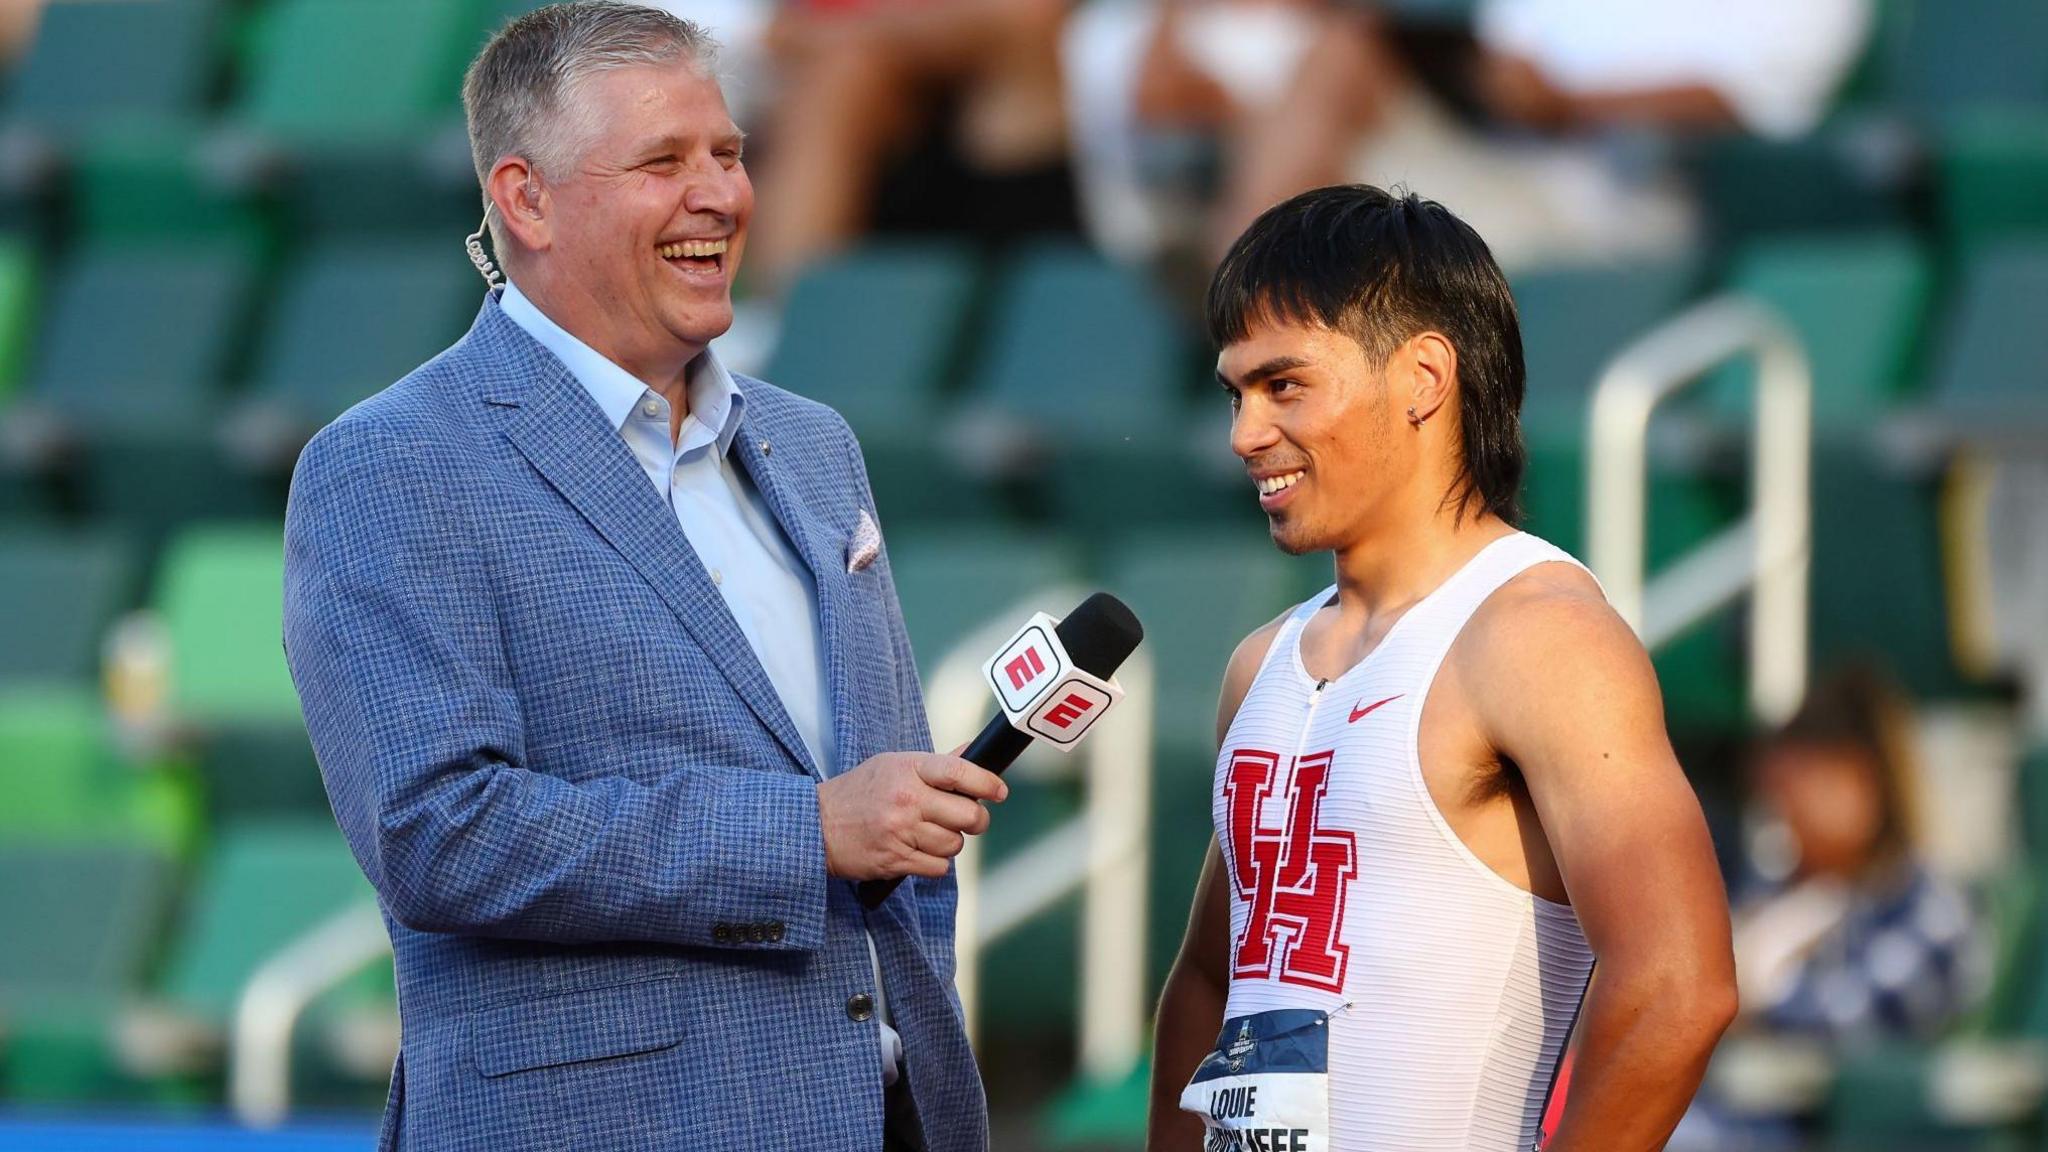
{"x": 775, "y": 931}
{"x": 861, "y": 1008}
{"x": 722, "y": 933}
{"x": 757, "y": 933}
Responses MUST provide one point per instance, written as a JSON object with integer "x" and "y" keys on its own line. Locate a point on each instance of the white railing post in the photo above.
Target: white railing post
{"x": 1104, "y": 852}
{"x": 1113, "y": 922}
{"x": 1767, "y": 553}
{"x": 260, "y": 1049}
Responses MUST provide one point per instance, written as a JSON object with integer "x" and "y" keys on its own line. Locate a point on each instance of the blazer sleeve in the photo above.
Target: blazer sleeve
{"x": 937, "y": 899}
{"x": 391, "y": 633}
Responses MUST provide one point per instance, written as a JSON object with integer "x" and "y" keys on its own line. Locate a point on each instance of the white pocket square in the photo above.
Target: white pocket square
{"x": 865, "y": 545}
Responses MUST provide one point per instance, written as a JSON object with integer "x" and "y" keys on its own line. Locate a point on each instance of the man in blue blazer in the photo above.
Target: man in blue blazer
{"x": 601, "y": 655}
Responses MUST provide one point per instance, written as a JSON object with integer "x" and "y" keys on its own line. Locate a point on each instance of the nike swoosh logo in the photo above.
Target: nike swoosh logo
{"x": 1358, "y": 713}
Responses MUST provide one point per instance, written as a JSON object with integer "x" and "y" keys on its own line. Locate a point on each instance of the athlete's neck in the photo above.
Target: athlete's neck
{"x": 1388, "y": 569}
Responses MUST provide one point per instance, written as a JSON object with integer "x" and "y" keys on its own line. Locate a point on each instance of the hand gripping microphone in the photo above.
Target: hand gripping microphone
{"x": 1053, "y": 681}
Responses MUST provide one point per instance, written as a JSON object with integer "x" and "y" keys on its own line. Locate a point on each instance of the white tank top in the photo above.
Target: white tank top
{"x": 1461, "y": 987}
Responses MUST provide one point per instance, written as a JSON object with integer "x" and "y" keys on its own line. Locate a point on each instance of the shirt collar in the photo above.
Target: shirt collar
{"x": 716, "y": 401}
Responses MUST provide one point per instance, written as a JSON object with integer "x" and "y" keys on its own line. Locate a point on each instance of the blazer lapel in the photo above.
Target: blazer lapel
{"x": 555, "y": 424}
{"x": 820, "y": 548}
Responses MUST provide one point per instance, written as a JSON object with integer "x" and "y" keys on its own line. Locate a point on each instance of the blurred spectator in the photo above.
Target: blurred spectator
{"x": 1847, "y": 937}
{"x": 1510, "y": 121}
{"x": 953, "y": 106}
{"x": 18, "y": 22}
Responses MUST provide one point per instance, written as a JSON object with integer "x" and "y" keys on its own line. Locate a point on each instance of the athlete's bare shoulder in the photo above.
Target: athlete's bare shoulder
{"x": 1548, "y": 640}
{"x": 1243, "y": 669}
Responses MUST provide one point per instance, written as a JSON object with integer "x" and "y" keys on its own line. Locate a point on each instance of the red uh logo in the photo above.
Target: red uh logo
{"x": 1064, "y": 713}
{"x": 1294, "y": 876}
{"x": 1025, "y": 668}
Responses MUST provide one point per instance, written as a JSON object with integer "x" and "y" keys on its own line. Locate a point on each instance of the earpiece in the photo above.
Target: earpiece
{"x": 474, "y": 245}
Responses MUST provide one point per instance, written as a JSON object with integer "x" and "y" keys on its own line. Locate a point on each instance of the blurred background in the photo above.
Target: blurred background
{"x": 983, "y": 231}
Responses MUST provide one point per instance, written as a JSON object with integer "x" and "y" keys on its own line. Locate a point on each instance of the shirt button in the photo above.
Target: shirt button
{"x": 650, "y": 408}
{"x": 861, "y": 1008}
{"x": 718, "y": 577}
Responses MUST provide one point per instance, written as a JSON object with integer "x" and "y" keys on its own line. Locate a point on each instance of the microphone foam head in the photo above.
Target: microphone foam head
{"x": 1100, "y": 634}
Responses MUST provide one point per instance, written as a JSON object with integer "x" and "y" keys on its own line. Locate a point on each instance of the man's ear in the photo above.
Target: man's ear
{"x": 1430, "y": 366}
{"x": 523, "y": 205}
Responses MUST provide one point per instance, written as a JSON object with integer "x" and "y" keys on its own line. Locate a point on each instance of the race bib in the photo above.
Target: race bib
{"x": 1266, "y": 1087}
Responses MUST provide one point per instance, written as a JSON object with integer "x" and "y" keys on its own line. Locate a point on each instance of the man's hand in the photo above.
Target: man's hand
{"x": 903, "y": 814}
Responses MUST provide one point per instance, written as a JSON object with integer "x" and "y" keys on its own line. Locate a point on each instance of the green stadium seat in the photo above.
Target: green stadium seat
{"x": 265, "y": 884}
{"x": 137, "y": 430}
{"x": 221, "y": 597}
{"x": 18, "y": 293}
{"x": 2033, "y": 792}
{"x": 347, "y": 156}
{"x": 953, "y": 582}
{"x": 878, "y": 334}
{"x": 1993, "y": 171}
{"x": 2011, "y": 912}
{"x": 353, "y": 317}
{"x": 144, "y": 184}
{"x": 1895, "y": 611}
{"x": 65, "y": 781}
{"x": 304, "y": 64}
{"x": 95, "y": 909}
{"x": 181, "y": 302}
{"x": 1574, "y": 320}
{"x": 1993, "y": 374}
{"x": 1858, "y": 303}
{"x": 58, "y": 593}
{"x": 1848, "y": 177}
{"x": 115, "y": 61}
{"x": 113, "y": 92}
{"x": 221, "y": 594}
{"x": 1083, "y": 388}
{"x": 1083, "y": 350}
{"x": 1950, "y": 54}
{"x": 1883, "y": 1101}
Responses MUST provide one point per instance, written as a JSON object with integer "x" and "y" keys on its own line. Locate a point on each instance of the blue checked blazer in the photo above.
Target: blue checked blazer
{"x": 591, "y": 826}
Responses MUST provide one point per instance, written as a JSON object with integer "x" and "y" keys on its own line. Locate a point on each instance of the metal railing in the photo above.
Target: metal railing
{"x": 260, "y": 1049}
{"x": 1104, "y": 851}
{"x": 1765, "y": 554}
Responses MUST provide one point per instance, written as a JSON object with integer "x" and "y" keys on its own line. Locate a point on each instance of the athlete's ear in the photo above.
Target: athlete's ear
{"x": 1426, "y": 366}
{"x": 522, "y": 202}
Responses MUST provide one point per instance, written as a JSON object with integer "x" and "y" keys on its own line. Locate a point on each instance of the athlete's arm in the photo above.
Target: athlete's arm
{"x": 1191, "y": 1005}
{"x": 1570, "y": 697}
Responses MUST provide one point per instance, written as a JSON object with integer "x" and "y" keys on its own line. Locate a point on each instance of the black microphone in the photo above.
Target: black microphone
{"x": 1099, "y": 636}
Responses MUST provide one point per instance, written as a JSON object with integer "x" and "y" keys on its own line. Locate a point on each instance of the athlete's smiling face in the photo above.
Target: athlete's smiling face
{"x": 1314, "y": 423}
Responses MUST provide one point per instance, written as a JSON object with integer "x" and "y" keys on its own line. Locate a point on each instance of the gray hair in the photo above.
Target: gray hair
{"x": 523, "y": 93}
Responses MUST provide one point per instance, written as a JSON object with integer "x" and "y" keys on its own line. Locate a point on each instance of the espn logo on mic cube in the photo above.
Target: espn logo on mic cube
{"x": 1068, "y": 713}
{"x": 1040, "y": 689}
{"x": 1028, "y": 668}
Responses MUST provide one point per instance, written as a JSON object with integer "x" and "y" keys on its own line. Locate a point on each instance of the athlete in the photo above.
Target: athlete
{"x": 1444, "y": 795}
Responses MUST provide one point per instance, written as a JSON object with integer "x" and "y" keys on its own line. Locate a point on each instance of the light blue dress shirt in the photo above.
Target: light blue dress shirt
{"x": 758, "y": 572}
